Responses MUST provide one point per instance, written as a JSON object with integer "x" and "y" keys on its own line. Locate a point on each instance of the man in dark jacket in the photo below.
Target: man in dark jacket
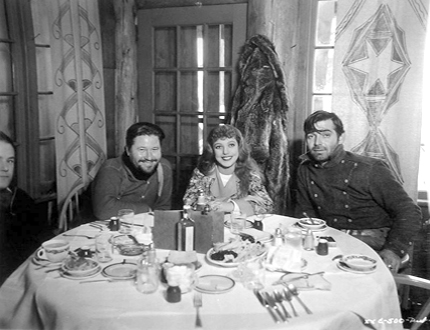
{"x": 140, "y": 179}
{"x": 19, "y": 225}
{"x": 354, "y": 193}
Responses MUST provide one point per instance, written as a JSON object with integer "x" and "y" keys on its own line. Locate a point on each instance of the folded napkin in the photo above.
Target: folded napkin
{"x": 284, "y": 258}
{"x": 304, "y": 281}
{"x": 258, "y": 235}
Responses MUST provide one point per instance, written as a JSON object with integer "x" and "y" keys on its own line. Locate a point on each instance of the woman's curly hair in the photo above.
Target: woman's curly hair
{"x": 245, "y": 165}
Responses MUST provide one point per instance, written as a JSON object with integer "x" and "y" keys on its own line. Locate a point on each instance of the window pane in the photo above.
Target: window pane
{"x": 46, "y": 117}
{"x": 323, "y": 71}
{"x": 189, "y": 91}
{"x": 165, "y": 91}
{"x": 44, "y": 69}
{"x": 213, "y": 122}
{"x": 326, "y": 23}
{"x": 168, "y": 125}
{"x": 188, "y": 46}
{"x": 5, "y": 68}
{"x": 6, "y": 116}
{"x": 191, "y": 134}
{"x": 165, "y": 47}
{"x": 39, "y": 10}
{"x": 321, "y": 102}
{"x": 47, "y": 167}
{"x": 4, "y": 33}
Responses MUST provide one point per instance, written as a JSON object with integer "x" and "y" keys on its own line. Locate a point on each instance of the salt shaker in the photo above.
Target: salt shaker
{"x": 322, "y": 247}
{"x": 308, "y": 241}
{"x": 279, "y": 238}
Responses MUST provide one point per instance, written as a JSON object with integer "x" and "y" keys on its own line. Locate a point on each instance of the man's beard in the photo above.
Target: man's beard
{"x": 136, "y": 170}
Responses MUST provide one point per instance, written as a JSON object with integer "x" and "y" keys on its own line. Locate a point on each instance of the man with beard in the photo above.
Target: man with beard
{"x": 140, "y": 179}
{"x": 354, "y": 193}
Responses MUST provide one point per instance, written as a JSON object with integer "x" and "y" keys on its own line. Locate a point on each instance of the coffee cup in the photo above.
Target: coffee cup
{"x": 55, "y": 250}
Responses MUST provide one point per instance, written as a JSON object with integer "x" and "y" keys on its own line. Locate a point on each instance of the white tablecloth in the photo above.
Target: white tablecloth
{"x": 34, "y": 299}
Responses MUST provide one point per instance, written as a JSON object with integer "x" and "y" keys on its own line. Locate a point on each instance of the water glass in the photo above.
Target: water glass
{"x": 293, "y": 237}
{"x": 103, "y": 247}
{"x": 237, "y": 223}
{"x": 252, "y": 274}
{"x": 126, "y": 217}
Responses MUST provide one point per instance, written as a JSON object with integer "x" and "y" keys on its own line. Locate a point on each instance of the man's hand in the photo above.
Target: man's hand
{"x": 391, "y": 259}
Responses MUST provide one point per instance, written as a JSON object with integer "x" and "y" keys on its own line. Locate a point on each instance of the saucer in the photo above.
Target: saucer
{"x": 214, "y": 284}
{"x": 349, "y": 270}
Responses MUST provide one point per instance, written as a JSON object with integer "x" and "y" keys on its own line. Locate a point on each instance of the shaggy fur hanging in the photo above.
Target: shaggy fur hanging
{"x": 259, "y": 111}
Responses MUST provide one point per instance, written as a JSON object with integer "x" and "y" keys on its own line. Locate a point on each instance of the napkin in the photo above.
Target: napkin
{"x": 303, "y": 281}
{"x": 258, "y": 235}
{"x": 284, "y": 258}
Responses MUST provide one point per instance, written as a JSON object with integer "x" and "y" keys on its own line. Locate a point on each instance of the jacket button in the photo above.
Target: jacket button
{"x": 349, "y": 220}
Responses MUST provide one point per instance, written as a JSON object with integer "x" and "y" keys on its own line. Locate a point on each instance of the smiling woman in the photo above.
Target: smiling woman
{"x": 228, "y": 176}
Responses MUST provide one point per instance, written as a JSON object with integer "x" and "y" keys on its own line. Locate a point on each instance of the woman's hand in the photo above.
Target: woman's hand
{"x": 221, "y": 206}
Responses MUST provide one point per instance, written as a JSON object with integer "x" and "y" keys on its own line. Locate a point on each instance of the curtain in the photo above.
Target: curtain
{"x": 378, "y": 81}
{"x": 78, "y": 93}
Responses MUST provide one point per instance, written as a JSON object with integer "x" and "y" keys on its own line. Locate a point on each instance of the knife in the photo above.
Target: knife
{"x": 272, "y": 304}
{"x": 265, "y": 304}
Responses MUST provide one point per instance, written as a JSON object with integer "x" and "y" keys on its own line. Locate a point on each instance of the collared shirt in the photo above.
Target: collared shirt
{"x": 357, "y": 192}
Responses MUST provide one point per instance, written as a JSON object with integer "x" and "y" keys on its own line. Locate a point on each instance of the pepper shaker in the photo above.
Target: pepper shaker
{"x": 322, "y": 247}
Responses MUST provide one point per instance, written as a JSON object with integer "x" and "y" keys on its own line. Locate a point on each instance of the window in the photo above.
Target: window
{"x": 188, "y": 58}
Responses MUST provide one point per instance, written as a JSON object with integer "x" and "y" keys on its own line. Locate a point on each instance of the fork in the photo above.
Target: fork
{"x": 279, "y": 298}
{"x": 197, "y": 304}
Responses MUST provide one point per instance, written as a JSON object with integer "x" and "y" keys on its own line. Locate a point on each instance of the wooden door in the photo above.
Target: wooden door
{"x": 186, "y": 61}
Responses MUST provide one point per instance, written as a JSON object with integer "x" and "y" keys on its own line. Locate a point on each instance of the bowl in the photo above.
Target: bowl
{"x": 313, "y": 225}
{"x": 359, "y": 262}
{"x": 80, "y": 267}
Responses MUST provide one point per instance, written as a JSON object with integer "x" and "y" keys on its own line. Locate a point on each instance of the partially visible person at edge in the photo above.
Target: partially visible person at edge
{"x": 354, "y": 193}
{"x": 227, "y": 175}
{"x": 140, "y": 179}
{"x": 19, "y": 220}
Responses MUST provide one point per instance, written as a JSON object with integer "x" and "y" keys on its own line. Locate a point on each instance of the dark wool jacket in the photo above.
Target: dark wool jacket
{"x": 19, "y": 228}
{"x": 358, "y": 192}
{"x": 259, "y": 111}
{"x": 115, "y": 188}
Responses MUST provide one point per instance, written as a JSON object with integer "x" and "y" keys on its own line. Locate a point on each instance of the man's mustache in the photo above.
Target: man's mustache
{"x": 147, "y": 161}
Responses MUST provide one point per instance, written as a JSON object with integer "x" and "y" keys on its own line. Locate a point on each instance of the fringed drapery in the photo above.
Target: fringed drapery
{"x": 78, "y": 93}
{"x": 259, "y": 111}
{"x": 378, "y": 80}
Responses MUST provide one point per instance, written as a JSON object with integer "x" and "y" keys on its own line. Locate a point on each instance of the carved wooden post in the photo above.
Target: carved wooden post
{"x": 126, "y": 70}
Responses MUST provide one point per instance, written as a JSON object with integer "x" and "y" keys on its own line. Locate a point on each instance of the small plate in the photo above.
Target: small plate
{"x": 228, "y": 264}
{"x": 44, "y": 262}
{"x": 73, "y": 277}
{"x": 347, "y": 269}
{"x": 120, "y": 271}
{"x": 214, "y": 284}
{"x": 248, "y": 224}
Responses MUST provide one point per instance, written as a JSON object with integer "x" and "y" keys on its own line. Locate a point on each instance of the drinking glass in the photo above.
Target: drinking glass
{"x": 237, "y": 223}
{"x": 103, "y": 247}
{"x": 293, "y": 237}
{"x": 126, "y": 217}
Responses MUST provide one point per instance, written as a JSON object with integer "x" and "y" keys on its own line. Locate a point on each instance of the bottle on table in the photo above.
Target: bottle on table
{"x": 148, "y": 272}
{"x": 185, "y": 231}
{"x": 201, "y": 201}
{"x": 308, "y": 241}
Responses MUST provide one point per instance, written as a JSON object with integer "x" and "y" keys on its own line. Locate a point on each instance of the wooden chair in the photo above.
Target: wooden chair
{"x": 414, "y": 281}
{"x": 70, "y": 209}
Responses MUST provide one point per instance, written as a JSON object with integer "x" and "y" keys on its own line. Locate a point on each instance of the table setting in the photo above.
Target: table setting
{"x": 250, "y": 280}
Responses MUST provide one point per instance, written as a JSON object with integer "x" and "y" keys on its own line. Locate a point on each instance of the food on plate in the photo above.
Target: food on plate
{"x": 76, "y": 263}
{"x": 237, "y": 250}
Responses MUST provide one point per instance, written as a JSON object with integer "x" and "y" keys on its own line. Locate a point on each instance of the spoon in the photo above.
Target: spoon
{"x": 295, "y": 293}
{"x": 307, "y": 216}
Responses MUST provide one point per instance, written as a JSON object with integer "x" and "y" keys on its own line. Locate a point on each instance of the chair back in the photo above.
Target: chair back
{"x": 418, "y": 282}
{"x": 71, "y": 208}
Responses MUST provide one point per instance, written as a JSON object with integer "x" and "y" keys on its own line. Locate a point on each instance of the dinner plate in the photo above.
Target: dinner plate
{"x": 227, "y": 264}
{"x": 214, "y": 284}
{"x": 248, "y": 224}
{"x": 120, "y": 271}
{"x": 74, "y": 277}
{"x": 347, "y": 269}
